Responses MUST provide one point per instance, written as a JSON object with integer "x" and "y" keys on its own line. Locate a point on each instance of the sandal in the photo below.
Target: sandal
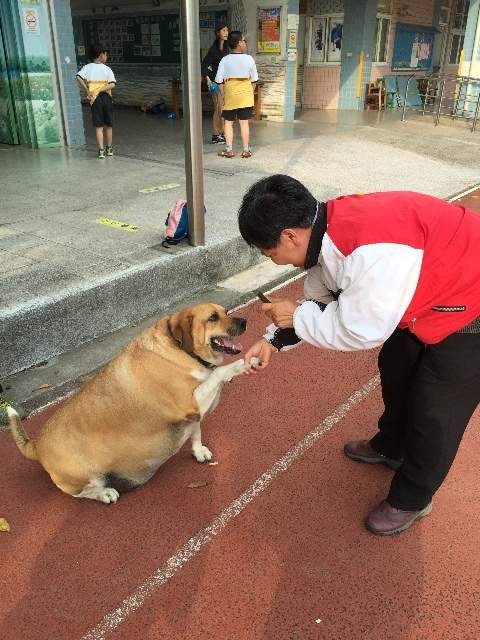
{"x": 246, "y": 154}
{"x": 227, "y": 154}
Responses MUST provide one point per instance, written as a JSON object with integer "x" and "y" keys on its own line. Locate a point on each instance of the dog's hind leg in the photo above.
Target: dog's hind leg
{"x": 79, "y": 485}
{"x": 95, "y": 490}
{"x": 200, "y": 452}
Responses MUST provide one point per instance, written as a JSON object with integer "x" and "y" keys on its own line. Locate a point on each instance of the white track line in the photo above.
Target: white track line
{"x": 114, "y": 619}
{"x": 462, "y": 194}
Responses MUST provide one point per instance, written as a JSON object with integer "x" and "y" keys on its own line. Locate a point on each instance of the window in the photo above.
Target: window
{"x": 382, "y": 32}
{"x": 444, "y": 16}
{"x": 325, "y": 39}
{"x": 460, "y": 17}
{"x": 384, "y": 6}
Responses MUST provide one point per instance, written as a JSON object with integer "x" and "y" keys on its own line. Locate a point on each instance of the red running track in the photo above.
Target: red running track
{"x": 289, "y": 561}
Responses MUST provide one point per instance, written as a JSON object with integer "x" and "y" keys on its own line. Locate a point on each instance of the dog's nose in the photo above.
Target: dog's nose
{"x": 238, "y": 326}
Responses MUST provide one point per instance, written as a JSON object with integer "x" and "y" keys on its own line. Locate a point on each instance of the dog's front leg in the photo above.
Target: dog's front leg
{"x": 206, "y": 393}
{"x": 200, "y": 452}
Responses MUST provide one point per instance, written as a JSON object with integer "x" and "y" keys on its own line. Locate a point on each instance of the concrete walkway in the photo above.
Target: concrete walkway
{"x": 66, "y": 278}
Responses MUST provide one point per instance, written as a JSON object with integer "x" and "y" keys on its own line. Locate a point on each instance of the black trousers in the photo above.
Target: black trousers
{"x": 430, "y": 393}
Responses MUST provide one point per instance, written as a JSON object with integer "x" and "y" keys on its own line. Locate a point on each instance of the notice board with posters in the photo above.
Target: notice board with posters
{"x": 153, "y": 38}
{"x": 413, "y": 48}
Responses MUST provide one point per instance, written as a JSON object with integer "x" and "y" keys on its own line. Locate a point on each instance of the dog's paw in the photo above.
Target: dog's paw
{"x": 240, "y": 366}
{"x": 202, "y": 454}
{"x": 108, "y": 495}
{"x": 237, "y": 367}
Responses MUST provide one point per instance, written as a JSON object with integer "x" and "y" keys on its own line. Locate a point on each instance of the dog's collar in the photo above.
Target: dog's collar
{"x": 203, "y": 362}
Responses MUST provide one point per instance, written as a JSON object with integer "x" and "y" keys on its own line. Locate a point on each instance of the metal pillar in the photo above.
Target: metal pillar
{"x": 192, "y": 118}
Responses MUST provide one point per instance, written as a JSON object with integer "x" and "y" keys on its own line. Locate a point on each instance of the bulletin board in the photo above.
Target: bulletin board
{"x": 413, "y": 48}
{"x": 142, "y": 39}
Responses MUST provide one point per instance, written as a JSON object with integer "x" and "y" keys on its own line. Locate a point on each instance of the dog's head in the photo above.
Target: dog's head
{"x": 207, "y": 331}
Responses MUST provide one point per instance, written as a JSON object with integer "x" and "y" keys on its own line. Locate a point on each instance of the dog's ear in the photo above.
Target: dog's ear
{"x": 198, "y": 333}
{"x": 181, "y": 327}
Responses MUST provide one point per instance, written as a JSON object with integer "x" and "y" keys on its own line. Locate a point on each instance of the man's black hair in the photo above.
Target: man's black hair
{"x": 271, "y": 205}
{"x": 96, "y": 49}
{"x": 234, "y": 38}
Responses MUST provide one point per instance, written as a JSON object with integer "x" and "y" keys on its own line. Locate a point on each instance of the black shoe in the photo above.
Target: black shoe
{"x": 216, "y": 140}
{"x": 362, "y": 451}
{"x": 385, "y": 520}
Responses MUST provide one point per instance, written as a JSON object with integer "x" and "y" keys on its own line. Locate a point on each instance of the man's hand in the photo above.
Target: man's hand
{"x": 280, "y": 312}
{"x": 263, "y": 351}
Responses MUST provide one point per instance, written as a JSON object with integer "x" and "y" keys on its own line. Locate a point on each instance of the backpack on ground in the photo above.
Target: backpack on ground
{"x": 176, "y": 223}
{"x": 155, "y": 106}
{"x": 158, "y": 106}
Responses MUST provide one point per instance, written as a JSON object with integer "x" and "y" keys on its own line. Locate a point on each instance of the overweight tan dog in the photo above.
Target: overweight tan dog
{"x": 126, "y": 421}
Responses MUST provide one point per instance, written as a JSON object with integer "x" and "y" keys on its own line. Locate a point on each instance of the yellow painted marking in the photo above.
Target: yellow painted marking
{"x": 117, "y": 224}
{"x": 161, "y": 187}
{"x": 361, "y": 61}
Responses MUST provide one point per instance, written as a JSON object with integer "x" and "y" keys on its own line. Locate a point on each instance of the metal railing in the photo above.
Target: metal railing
{"x": 456, "y": 97}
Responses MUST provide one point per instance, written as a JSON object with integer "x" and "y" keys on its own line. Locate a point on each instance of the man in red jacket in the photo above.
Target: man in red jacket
{"x": 397, "y": 269}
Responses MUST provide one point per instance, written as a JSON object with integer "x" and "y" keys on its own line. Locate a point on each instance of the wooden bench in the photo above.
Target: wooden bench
{"x": 177, "y": 101}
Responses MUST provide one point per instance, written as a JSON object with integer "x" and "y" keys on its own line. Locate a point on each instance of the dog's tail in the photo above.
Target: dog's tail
{"x": 23, "y": 442}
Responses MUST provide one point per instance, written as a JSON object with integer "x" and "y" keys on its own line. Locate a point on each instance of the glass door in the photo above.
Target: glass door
{"x": 8, "y": 125}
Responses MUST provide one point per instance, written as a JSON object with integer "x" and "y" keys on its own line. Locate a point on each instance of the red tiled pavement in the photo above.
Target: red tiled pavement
{"x": 296, "y": 563}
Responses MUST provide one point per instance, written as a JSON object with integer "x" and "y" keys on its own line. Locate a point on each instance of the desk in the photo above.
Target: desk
{"x": 177, "y": 90}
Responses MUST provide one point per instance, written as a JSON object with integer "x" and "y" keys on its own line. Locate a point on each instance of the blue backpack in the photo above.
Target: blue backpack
{"x": 176, "y": 223}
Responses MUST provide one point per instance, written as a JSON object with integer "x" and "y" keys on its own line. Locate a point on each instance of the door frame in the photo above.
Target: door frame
{"x": 12, "y": 123}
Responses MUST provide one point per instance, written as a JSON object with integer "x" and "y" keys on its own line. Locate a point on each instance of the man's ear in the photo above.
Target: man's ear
{"x": 294, "y": 236}
{"x": 289, "y": 235}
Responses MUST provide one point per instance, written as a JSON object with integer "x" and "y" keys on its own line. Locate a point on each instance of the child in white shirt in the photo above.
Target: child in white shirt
{"x": 237, "y": 75}
{"x": 98, "y": 81}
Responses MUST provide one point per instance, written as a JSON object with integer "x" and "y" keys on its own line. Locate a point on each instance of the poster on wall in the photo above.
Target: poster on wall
{"x": 268, "y": 30}
{"x": 413, "y": 48}
{"x": 335, "y": 32}
{"x": 317, "y": 40}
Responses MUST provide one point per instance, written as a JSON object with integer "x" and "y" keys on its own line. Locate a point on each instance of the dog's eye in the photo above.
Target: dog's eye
{"x": 214, "y": 317}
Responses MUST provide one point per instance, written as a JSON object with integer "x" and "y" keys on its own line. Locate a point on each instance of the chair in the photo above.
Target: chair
{"x": 413, "y": 98}
{"x": 391, "y": 92}
{"x": 375, "y": 96}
